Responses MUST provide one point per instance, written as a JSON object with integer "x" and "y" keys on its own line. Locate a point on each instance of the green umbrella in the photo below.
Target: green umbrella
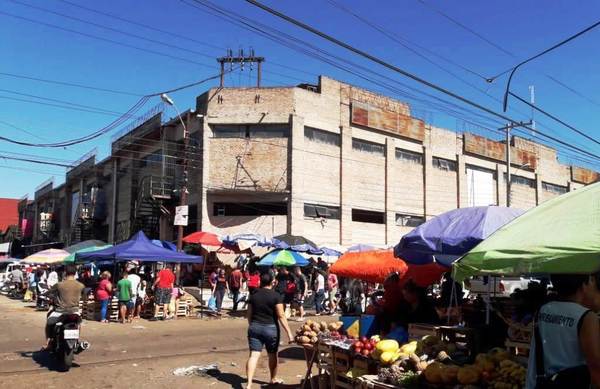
{"x": 282, "y": 258}
{"x": 71, "y": 257}
{"x": 561, "y": 235}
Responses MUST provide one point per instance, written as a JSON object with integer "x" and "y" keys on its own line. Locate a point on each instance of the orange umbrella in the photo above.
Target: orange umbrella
{"x": 376, "y": 266}
{"x": 370, "y": 266}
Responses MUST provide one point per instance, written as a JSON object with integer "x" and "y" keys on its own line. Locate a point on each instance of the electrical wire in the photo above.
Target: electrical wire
{"x": 35, "y": 161}
{"x": 503, "y": 50}
{"x": 71, "y": 84}
{"x": 404, "y": 73}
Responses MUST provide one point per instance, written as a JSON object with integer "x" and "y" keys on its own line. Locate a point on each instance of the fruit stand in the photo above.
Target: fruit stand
{"x": 445, "y": 357}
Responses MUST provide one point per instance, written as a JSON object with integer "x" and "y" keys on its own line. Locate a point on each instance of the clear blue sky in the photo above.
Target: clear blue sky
{"x": 521, "y": 28}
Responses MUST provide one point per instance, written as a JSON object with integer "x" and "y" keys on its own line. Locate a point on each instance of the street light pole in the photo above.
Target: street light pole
{"x": 184, "y": 189}
{"x": 506, "y": 130}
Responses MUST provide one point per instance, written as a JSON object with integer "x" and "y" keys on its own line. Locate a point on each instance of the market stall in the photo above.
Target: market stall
{"x": 140, "y": 249}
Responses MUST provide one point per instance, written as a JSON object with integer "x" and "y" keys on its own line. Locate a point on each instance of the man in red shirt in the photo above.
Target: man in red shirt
{"x": 235, "y": 283}
{"x": 163, "y": 288}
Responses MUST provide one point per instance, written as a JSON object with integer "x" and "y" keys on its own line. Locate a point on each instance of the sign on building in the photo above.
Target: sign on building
{"x": 181, "y": 215}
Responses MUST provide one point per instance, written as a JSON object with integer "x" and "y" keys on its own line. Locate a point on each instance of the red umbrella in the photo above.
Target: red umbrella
{"x": 203, "y": 238}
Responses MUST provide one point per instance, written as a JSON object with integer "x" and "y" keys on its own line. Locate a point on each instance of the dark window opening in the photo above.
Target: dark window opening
{"x": 558, "y": 189}
{"x": 250, "y": 209}
{"x": 444, "y": 164}
{"x": 409, "y": 156}
{"x": 321, "y": 211}
{"x": 409, "y": 220}
{"x": 368, "y": 147}
{"x": 520, "y": 180}
{"x": 251, "y": 131}
{"x": 321, "y": 136}
{"x": 364, "y": 216}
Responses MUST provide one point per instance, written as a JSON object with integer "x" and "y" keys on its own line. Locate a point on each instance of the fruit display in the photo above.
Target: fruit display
{"x": 511, "y": 374}
{"x": 394, "y": 375}
{"x": 311, "y": 331}
{"x": 364, "y": 346}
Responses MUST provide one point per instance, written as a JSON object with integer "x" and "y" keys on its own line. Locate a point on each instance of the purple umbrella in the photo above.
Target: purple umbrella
{"x": 448, "y": 236}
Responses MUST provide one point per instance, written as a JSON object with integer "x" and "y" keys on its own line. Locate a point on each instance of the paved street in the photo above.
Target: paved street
{"x": 140, "y": 354}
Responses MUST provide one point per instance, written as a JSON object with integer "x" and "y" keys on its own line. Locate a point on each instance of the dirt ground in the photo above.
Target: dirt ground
{"x": 142, "y": 354}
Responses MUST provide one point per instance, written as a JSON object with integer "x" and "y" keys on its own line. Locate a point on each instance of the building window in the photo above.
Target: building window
{"x": 364, "y": 216}
{"x": 316, "y": 135}
{"x": 444, "y": 164}
{"x": 520, "y": 180}
{"x": 409, "y": 156}
{"x": 321, "y": 211}
{"x": 406, "y": 220}
{"x": 558, "y": 189}
{"x": 250, "y": 209}
{"x": 368, "y": 147}
{"x": 251, "y": 131}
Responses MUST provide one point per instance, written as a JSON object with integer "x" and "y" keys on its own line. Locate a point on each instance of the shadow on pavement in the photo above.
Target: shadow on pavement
{"x": 44, "y": 359}
{"x": 294, "y": 352}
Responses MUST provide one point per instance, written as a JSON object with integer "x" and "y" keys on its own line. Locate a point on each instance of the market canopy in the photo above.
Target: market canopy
{"x": 448, "y": 236}
{"x": 294, "y": 240}
{"x": 164, "y": 244}
{"x": 71, "y": 257}
{"x": 138, "y": 248}
{"x": 246, "y": 241}
{"x": 203, "y": 238}
{"x": 561, "y": 235}
{"x": 84, "y": 245}
{"x": 47, "y": 257}
{"x": 376, "y": 266}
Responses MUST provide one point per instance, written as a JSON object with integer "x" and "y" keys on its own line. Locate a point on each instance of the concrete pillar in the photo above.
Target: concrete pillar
{"x": 500, "y": 184}
{"x": 346, "y": 186}
{"x": 295, "y": 216}
{"x": 391, "y": 176}
{"x": 427, "y": 180}
{"x": 112, "y": 215}
{"x": 538, "y": 189}
{"x": 462, "y": 198}
{"x": 203, "y": 206}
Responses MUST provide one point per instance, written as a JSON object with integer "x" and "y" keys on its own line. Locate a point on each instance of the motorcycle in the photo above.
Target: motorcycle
{"x": 65, "y": 342}
{"x": 15, "y": 291}
{"x": 42, "y": 303}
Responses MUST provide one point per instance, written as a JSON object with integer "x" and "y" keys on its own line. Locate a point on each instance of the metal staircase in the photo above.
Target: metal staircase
{"x": 154, "y": 195}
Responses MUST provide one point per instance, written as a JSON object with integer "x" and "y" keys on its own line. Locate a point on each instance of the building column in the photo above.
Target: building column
{"x": 538, "y": 189}
{"x": 500, "y": 185}
{"x": 390, "y": 179}
{"x": 427, "y": 179}
{"x": 112, "y": 216}
{"x": 345, "y": 186}
{"x": 203, "y": 211}
{"x": 462, "y": 198}
{"x": 295, "y": 216}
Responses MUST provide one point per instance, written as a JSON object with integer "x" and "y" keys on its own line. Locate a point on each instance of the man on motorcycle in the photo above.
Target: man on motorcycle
{"x": 16, "y": 277}
{"x": 65, "y": 296}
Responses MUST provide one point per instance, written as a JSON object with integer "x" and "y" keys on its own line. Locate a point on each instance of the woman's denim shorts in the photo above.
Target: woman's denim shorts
{"x": 266, "y": 335}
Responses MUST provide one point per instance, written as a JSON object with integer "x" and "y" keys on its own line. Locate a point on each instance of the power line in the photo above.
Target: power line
{"x": 399, "y": 39}
{"x": 552, "y": 48}
{"x": 71, "y": 84}
{"x": 403, "y": 72}
{"x": 35, "y": 161}
{"x": 501, "y": 49}
{"x": 107, "y": 40}
{"x": 73, "y": 108}
{"x": 555, "y": 118}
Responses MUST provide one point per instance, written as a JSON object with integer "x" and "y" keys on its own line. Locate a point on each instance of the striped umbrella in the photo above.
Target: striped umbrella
{"x": 47, "y": 257}
{"x": 283, "y": 258}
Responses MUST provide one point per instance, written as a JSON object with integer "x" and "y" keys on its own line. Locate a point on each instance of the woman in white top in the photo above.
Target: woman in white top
{"x": 569, "y": 329}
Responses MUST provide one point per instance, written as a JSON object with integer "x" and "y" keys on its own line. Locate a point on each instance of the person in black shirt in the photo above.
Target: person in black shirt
{"x": 416, "y": 307}
{"x": 265, "y": 314}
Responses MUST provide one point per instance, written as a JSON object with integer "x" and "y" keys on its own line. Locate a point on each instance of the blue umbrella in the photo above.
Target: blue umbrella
{"x": 448, "y": 236}
{"x": 330, "y": 252}
{"x": 282, "y": 258}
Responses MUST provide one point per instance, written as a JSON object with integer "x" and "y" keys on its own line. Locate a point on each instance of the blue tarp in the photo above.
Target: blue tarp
{"x": 138, "y": 248}
{"x": 165, "y": 244}
{"x": 448, "y": 236}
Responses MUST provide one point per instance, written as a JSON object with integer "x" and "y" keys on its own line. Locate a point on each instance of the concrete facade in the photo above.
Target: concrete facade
{"x": 337, "y": 164}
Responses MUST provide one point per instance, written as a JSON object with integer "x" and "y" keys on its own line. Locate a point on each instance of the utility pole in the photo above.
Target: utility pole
{"x": 242, "y": 60}
{"x": 506, "y": 130}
